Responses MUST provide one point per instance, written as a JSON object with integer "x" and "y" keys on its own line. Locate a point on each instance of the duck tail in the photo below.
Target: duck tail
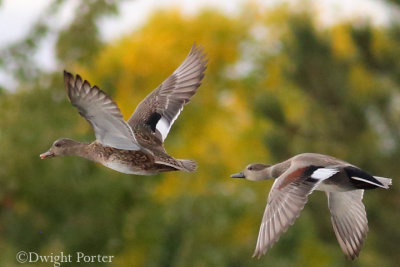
{"x": 188, "y": 165}
{"x": 385, "y": 181}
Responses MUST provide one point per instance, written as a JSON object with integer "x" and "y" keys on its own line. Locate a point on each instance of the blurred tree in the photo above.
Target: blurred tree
{"x": 336, "y": 93}
{"x": 276, "y": 85}
{"x": 76, "y": 43}
{"x": 80, "y": 41}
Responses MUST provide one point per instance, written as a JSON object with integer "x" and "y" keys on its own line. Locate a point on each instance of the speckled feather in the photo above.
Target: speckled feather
{"x": 136, "y": 146}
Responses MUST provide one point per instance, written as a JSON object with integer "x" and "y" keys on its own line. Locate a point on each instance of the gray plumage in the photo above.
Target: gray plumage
{"x": 298, "y": 177}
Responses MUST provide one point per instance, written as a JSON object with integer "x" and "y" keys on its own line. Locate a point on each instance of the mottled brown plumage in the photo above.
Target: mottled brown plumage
{"x": 135, "y": 146}
{"x": 134, "y": 160}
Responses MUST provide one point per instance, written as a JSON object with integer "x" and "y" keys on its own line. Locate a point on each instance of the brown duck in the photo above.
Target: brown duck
{"x": 134, "y": 146}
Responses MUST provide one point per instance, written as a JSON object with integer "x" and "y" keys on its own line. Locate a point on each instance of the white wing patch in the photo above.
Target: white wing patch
{"x": 163, "y": 126}
{"x": 324, "y": 173}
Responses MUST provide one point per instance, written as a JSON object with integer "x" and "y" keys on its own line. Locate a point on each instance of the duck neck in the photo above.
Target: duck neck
{"x": 276, "y": 170}
{"x": 270, "y": 172}
{"x": 78, "y": 149}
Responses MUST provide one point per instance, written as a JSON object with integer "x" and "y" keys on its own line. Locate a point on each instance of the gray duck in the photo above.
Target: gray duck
{"x": 299, "y": 176}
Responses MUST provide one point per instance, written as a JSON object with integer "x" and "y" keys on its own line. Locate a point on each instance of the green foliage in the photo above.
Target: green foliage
{"x": 332, "y": 91}
{"x": 80, "y": 42}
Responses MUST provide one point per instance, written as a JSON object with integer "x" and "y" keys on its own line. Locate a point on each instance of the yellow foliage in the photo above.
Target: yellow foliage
{"x": 135, "y": 256}
{"x": 294, "y": 102}
{"x": 274, "y": 79}
{"x": 147, "y": 57}
{"x": 316, "y": 103}
{"x": 342, "y": 43}
{"x": 361, "y": 81}
{"x": 243, "y": 231}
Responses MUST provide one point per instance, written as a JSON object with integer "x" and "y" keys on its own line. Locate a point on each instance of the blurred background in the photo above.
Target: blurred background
{"x": 283, "y": 78}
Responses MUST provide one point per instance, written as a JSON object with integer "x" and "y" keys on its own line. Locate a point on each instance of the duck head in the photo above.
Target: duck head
{"x": 254, "y": 172}
{"x": 60, "y": 147}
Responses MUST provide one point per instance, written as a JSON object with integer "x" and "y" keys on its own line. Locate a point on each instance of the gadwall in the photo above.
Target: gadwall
{"x": 298, "y": 177}
{"x": 134, "y": 146}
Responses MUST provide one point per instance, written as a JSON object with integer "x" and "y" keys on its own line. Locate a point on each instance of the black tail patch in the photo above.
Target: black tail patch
{"x": 364, "y": 181}
{"x": 153, "y": 120}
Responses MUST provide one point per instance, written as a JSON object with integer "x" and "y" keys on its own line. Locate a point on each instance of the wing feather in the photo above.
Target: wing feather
{"x": 170, "y": 97}
{"x": 349, "y": 220}
{"x": 285, "y": 202}
{"x": 101, "y": 112}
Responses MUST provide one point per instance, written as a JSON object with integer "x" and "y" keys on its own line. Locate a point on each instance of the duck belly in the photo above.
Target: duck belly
{"x": 128, "y": 169}
{"x": 331, "y": 188}
{"x": 337, "y": 183}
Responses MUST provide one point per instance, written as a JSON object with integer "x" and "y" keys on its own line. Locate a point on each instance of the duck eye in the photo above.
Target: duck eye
{"x": 57, "y": 145}
{"x": 250, "y": 168}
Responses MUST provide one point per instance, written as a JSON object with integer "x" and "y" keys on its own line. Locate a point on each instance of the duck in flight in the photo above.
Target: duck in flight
{"x": 299, "y": 176}
{"x": 134, "y": 146}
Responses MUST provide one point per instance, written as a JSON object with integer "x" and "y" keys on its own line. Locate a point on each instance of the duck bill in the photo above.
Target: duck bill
{"x": 46, "y": 155}
{"x": 238, "y": 175}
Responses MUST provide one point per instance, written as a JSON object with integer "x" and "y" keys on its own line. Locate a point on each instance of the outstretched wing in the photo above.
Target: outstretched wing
{"x": 286, "y": 200}
{"x": 349, "y": 220}
{"x": 161, "y": 108}
{"x": 101, "y": 112}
